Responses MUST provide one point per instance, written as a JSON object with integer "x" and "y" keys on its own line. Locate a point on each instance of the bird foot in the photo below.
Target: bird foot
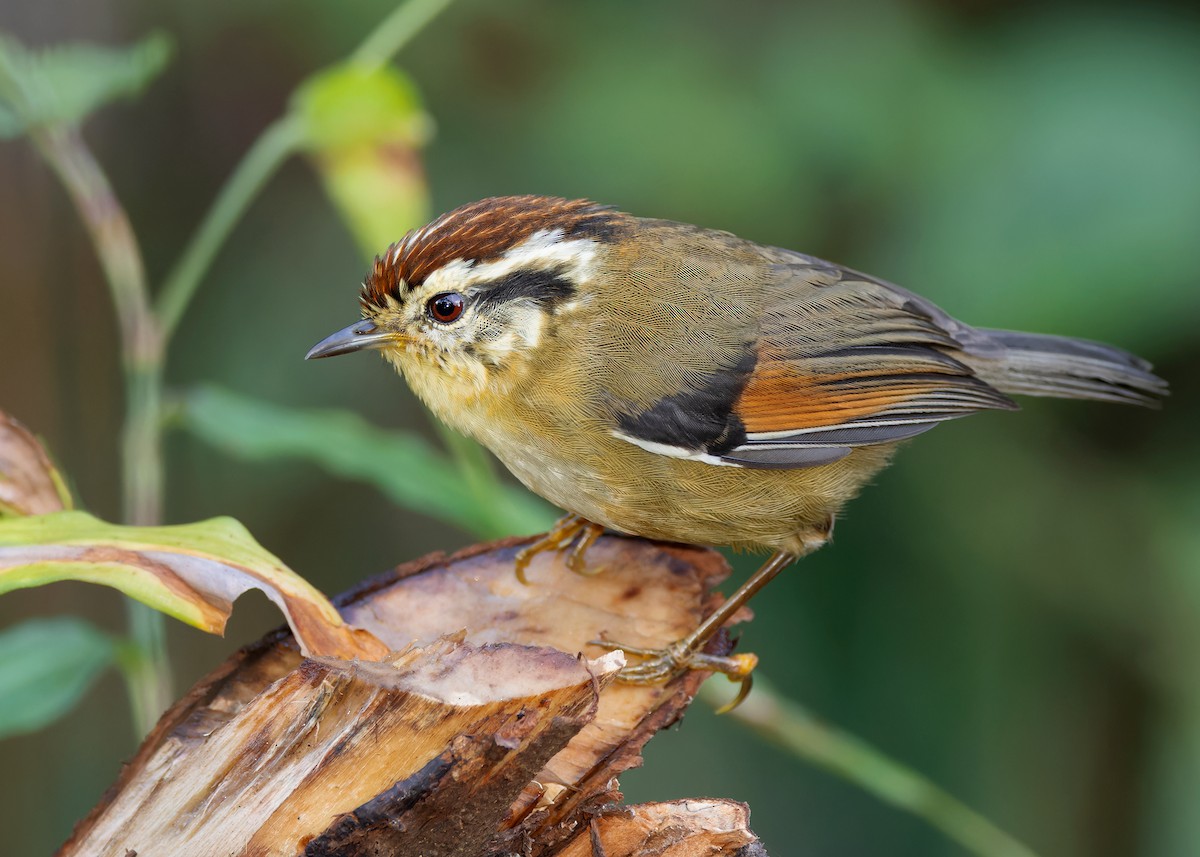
{"x": 573, "y": 534}
{"x": 661, "y": 665}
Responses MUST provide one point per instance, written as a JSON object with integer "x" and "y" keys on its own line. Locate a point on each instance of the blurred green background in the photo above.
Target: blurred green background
{"x": 1013, "y": 610}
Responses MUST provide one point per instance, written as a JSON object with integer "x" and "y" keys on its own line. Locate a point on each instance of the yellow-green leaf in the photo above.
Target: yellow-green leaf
{"x": 348, "y": 105}
{"x": 193, "y": 572}
{"x": 364, "y": 129}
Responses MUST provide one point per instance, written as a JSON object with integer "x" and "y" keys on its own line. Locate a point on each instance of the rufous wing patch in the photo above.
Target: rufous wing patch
{"x": 782, "y": 397}
{"x": 785, "y": 396}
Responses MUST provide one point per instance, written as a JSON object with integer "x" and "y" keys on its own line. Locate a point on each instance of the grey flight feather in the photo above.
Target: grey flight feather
{"x": 1035, "y": 364}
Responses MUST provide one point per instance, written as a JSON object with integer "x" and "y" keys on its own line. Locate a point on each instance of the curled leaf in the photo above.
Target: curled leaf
{"x": 192, "y": 572}
{"x": 29, "y": 484}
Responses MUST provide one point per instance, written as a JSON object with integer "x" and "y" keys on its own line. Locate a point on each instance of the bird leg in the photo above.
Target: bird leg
{"x": 572, "y": 532}
{"x": 688, "y": 653}
{"x": 577, "y": 555}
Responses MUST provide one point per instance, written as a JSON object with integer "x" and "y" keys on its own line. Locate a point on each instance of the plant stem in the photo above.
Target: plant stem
{"x": 141, "y": 360}
{"x": 146, "y": 331}
{"x": 395, "y": 31}
{"x": 276, "y": 144}
{"x": 106, "y": 222}
{"x": 786, "y": 724}
{"x": 281, "y": 139}
{"x": 143, "y": 480}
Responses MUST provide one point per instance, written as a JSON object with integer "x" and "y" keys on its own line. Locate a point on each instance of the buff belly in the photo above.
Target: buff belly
{"x": 688, "y": 501}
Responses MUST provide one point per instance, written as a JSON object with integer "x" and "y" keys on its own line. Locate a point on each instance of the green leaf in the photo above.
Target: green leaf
{"x": 364, "y": 128}
{"x": 403, "y": 465}
{"x": 66, "y": 83}
{"x": 46, "y": 665}
{"x": 193, "y": 572}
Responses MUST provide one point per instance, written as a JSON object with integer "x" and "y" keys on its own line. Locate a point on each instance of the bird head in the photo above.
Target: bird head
{"x": 465, "y": 302}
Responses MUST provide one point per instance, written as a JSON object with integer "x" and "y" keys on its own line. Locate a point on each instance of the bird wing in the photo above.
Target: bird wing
{"x": 840, "y": 360}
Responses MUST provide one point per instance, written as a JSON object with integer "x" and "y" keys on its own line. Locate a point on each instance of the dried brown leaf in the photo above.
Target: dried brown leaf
{"x": 29, "y": 484}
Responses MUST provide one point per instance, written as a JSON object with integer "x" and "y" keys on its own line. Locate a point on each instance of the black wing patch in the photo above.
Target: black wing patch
{"x": 698, "y": 421}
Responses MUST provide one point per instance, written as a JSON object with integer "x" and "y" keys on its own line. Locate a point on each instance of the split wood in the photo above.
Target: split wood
{"x": 492, "y": 728}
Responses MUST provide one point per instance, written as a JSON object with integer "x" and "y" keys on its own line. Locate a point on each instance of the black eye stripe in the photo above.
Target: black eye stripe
{"x": 547, "y": 287}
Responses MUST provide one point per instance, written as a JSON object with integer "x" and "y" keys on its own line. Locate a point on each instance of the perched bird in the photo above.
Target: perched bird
{"x": 680, "y": 383}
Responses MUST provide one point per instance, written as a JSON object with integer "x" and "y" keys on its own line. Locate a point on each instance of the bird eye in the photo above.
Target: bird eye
{"x": 445, "y": 307}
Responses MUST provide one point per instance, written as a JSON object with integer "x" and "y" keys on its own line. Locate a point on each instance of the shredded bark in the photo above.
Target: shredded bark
{"x": 494, "y": 727}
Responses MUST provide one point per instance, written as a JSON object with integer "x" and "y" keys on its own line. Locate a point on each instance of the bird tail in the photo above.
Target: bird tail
{"x": 1035, "y": 364}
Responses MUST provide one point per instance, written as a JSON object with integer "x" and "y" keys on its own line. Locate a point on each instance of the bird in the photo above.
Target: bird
{"x": 664, "y": 380}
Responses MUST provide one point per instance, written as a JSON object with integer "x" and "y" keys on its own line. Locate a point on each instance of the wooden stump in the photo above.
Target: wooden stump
{"x": 493, "y": 727}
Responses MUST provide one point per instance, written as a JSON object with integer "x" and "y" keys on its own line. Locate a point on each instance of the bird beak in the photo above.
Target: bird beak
{"x": 360, "y": 336}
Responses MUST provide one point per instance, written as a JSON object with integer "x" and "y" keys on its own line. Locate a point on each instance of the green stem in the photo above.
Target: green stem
{"x": 141, "y": 445}
{"x": 788, "y": 725}
{"x": 145, "y": 331}
{"x": 112, "y": 235}
{"x": 141, "y": 359}
{"x": 276, "y": 144}
{"x": 281, "y": 139}
{"x": 395, "y": 31}
{"x": 148, "y": 675}
{"x": 143, "y": 480}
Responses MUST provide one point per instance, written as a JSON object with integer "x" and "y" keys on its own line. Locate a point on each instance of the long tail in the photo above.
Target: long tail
{"x": 1035, "y": 364}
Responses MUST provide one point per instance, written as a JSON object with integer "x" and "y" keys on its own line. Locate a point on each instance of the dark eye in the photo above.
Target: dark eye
{"x": 445, "y": 307}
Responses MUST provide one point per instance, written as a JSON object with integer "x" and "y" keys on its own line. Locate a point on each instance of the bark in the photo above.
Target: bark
{"x": 492, "y": 727}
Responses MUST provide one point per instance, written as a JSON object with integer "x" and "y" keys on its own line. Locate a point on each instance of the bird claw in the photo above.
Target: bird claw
{"x": 571, "y": 533}
{"x": 583, "y": 541}
{"x": 660, "y": 665}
